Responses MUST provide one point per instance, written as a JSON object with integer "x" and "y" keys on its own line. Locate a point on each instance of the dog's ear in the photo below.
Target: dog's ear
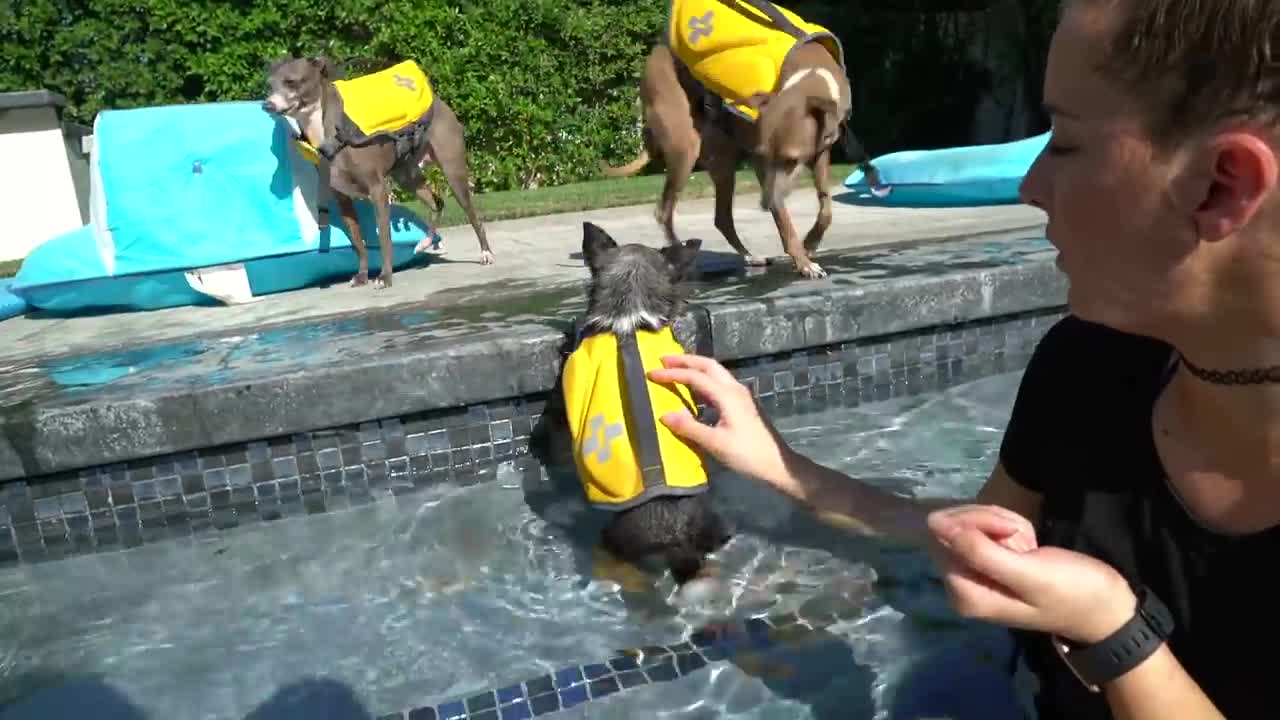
{"x": 758, "y": 100}
{"x": 681, "y": 257}
{"x": 595, "y": 243}
{"x": 826, "y": 112}
{"x": 324, "y": 65}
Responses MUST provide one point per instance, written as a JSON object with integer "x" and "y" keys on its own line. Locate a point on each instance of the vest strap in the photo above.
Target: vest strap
{"x": 644, "y": 429}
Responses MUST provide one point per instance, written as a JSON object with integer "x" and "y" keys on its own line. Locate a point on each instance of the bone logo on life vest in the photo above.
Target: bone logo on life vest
{"x": 700, "y": 27}
{"x": 404, "y": 82}
{"x": 601, "y": 439}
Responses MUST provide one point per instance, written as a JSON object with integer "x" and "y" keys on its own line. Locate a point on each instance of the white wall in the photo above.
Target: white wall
{"x": 38, "y": 197}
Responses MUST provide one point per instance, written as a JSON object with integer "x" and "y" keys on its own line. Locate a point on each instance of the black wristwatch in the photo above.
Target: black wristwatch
{"x": 1123, "y": 650}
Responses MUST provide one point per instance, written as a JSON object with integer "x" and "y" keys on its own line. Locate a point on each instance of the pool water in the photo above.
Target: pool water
{"x": 441, "y": 595}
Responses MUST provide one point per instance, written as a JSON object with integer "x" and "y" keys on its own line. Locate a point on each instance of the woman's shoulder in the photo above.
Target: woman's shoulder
{"x": 1079, "y": 352}
{"x": 1085, "y": 386}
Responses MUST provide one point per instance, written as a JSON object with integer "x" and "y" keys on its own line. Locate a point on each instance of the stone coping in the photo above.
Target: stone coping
{"x": 30, "y": 99}
{"x": 122, "y": 404}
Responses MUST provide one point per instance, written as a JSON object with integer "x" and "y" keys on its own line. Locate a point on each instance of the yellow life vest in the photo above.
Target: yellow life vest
{"x": 381, "y": 102}
{"x": 609, "y": 437}
{"x": 736, "y": 50}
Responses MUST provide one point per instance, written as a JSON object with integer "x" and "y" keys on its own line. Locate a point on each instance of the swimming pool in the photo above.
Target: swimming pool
{"x": 477, "y": 597}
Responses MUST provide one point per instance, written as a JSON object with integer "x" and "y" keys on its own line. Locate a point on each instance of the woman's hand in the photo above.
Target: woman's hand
{"x": 742, "y": 439}
{"x": 996, "y": 575}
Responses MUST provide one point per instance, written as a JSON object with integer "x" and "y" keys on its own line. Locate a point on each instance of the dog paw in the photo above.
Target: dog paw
{"x": 359, "y": 279}
{"x": 431, "y": 245}
{"x": 812, "y": 271}
{"x": 382, "y": 282}
{"x": 486, "y": 257}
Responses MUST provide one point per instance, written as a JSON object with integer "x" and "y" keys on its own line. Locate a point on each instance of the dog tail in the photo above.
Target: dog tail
{"x": 684, "y": 562}
{"x": 858, "y": 155}
{"x": 630, "y": 168}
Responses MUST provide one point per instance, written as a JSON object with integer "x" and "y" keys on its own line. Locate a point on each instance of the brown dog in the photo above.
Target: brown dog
{"x": 304, "y": 89}
{"x": 799, "y": 116}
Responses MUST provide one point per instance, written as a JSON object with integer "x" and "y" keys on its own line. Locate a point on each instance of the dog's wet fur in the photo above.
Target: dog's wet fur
{"x": 302, "y": 89}
{"x": 635, "y": 287}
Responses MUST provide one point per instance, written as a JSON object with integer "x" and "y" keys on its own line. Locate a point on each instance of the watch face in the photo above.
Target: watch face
{"x": 1064, "y": 653}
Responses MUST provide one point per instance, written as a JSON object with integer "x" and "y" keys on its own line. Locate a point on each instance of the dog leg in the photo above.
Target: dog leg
{"x": 681, "y": 156}
{"x": 720, "y": 156}
{"x": 821, "y": 183}
{"x": 791, "y": 243}
{"x": 412, "y": 178}
{"x": 380, "y": 196}
{"x": 448, "y": 147}
{"x": 352, "y": 221}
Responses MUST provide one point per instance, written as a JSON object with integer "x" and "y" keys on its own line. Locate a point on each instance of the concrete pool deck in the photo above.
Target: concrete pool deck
{"x": 126, "y": 429}
{"x": 123, "y": 427}
{"x": 532, "y": 253}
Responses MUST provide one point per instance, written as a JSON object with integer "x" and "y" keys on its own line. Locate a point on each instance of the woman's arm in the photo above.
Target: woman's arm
{"x": 1157, "y": 689}
{"x": 749, "y": 444}
{"x": 858, "y": 506}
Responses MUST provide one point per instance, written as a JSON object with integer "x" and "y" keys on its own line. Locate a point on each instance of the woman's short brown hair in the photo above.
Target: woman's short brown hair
{"x": 1196, "y": 63}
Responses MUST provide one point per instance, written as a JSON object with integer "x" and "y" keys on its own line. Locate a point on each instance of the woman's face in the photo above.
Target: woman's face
{"x": 1126, "y": 241}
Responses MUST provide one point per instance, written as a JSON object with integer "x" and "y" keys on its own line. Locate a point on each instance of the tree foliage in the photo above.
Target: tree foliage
{"x": 545, "y": 88}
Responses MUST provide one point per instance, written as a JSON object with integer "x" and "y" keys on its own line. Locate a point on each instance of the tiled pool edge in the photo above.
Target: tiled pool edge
{"x": 198, "y": 492}
{"x": 38, "y": 440}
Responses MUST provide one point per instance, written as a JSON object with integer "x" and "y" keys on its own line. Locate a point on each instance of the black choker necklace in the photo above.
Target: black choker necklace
{"x": 1254, "y": 376}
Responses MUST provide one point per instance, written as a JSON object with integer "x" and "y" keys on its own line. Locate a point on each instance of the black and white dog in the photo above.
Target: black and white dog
{"x": 629, "y": 463}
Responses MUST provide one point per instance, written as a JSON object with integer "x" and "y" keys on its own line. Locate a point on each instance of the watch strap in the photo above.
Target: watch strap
{"x": 1123, "y": 650}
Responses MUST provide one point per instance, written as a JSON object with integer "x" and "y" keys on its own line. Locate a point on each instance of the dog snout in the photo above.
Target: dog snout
{"x": 273, "y": 104}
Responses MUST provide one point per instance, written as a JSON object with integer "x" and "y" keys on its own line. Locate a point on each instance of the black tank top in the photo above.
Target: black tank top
{"x": 1080, "y": 435}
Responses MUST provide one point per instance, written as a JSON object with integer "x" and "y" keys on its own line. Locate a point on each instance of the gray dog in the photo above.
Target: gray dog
{"x": 652, "y": 482}
{"x": 362, "y": 165}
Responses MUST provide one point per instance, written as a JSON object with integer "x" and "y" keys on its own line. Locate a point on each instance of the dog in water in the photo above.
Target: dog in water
{"x": 629, "y": 463}
{"x": 370, "y": 130}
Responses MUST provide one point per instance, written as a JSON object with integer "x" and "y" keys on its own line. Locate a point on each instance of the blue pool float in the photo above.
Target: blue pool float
{"x": 183, "y": 188}
{"x": 10, "y": 305}
{"x": 973, "y": 175}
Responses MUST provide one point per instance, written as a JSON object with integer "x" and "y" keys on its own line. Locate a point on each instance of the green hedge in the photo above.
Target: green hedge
{"x": 546, "y": 88}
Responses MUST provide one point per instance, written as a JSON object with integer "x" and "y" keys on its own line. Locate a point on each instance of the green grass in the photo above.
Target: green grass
{"x": 592, "y": 195}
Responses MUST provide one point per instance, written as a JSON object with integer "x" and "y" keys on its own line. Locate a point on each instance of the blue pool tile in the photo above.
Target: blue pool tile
{"x": 662, "y": 672}
{"x": 540, "y": 685}
{"x": 595, "y": 671}
{"x": 543, "y": 704}
{"x": 483, "y": 701}
{"x": 689, "y": 662}
{"x": 509, "y": 694}
{"x": 632, "y": 678}
{"x": 624, "y": 662}
{"x": 603, "y": 687}
{"x": 714, "y": 653}
{"x": 422, "y": 713}
{"x": 703, "y": 639}
{"x": 575, "y": 695}
{"x": 452, "y": 710}
{"x": 568, "y": 677}
{"x": 518, "y": 711}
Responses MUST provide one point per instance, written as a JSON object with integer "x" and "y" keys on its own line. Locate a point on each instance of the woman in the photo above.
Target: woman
{"x": 1137, "y": 496}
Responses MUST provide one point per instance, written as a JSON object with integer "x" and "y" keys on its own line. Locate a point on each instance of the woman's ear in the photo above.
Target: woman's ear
{"x": 1236, "y": 174}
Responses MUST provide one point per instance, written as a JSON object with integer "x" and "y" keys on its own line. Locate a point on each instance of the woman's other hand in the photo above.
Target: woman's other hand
{"x": 992, "y": 573}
